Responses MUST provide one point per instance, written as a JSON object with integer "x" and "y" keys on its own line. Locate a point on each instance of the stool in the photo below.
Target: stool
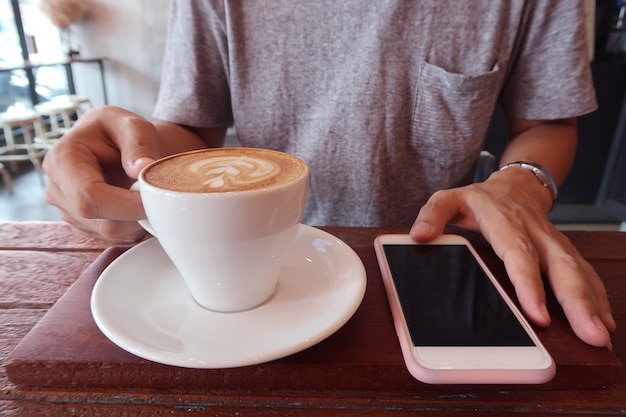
{"x": 83, "y": 102}
{"x": 6, "y": 177}
{"x": 54, "y": 110}
{"x": 34, "y": 147}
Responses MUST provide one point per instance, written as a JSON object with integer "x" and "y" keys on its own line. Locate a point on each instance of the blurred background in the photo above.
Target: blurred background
{"x": 110, "y": 51}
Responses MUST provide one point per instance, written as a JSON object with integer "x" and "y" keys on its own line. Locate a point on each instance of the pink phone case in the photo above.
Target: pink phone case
{"x": 451, "y": 376}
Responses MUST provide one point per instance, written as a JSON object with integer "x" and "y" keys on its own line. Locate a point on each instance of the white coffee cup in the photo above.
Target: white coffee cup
{"x": 229, "y": 237}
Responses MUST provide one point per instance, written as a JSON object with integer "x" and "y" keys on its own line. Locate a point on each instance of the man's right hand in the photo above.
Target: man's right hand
{"x": 91, "y": 169}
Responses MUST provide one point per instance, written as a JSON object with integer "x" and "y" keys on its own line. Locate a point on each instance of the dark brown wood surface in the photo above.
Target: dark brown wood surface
{"x": 65, "y": 366}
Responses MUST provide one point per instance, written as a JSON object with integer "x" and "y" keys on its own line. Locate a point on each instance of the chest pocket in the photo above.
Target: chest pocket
{"x": 450, "y": 119}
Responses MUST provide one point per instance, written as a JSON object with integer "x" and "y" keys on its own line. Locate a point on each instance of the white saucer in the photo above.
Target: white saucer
{"x": 141, "y": 303}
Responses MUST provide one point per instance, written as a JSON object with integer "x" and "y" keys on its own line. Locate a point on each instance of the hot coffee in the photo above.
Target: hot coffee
{"x": 213, "y": 208}
{"x": 224, "y": 169}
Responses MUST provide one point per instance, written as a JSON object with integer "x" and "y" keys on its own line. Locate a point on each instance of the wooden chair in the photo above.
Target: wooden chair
{"x": 83, "y": 102}
{"x": 6, "y": 178}
{"x": 59, "y": 113}
{"x": 34, "y": 144}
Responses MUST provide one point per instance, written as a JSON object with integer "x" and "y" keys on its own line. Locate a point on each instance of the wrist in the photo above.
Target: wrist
{"x": 542, "y": 175}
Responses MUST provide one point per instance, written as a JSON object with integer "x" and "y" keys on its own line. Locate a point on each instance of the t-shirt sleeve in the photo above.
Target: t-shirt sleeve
{"x": 194, "y": 83}
{"x": 551, "y": 76}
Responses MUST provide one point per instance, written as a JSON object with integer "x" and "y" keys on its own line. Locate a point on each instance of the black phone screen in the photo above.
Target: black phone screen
{"x": 448, "y": 300}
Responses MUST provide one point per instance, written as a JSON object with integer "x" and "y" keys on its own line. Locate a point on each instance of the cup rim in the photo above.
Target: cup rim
{"x": 303, "y": 176}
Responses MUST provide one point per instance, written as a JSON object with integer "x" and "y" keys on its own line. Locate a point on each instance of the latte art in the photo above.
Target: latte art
{"x": 223, "y": 170}
{"x": 232, "y": 171}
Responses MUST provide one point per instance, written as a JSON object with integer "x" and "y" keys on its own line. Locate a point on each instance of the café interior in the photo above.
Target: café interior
{"x": 108, "y": 52}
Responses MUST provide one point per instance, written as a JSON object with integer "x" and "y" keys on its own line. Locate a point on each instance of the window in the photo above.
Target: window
{"x": 27, "y": 40}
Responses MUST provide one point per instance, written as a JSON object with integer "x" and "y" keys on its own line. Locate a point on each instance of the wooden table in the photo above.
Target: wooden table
{"x": 40, "y": 261}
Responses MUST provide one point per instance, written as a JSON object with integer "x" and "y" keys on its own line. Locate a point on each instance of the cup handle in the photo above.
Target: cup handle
{"x": 143, "y": 222}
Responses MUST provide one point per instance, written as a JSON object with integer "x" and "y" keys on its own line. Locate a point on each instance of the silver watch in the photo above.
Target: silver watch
{"x": 542, "y": 174}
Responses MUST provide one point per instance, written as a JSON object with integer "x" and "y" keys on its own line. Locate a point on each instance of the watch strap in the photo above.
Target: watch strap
{"x": 540, "y": 172}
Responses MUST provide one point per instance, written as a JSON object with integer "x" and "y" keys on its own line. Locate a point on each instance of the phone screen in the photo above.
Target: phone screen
{"x": 448, "y": 300}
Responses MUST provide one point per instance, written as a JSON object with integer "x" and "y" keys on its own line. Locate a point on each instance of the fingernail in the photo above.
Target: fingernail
{"x": 608, "y": 318}
{"x": 597, "y": 321}
{"x": 135, "y": 187}
{"x": 600, "y": 325}
{"x": 544, "y": 312}
{"x": 423, "y": 228}
{"x": 144, "y": 160}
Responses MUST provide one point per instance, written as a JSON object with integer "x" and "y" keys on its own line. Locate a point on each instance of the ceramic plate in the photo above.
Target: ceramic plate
{"x": 141, "y": 303}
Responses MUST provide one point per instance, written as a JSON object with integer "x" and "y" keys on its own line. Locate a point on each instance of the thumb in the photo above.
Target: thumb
{"x": 433, "y": 217}
{"x": 137, "y": 165}
{"x": 136, "y": 138}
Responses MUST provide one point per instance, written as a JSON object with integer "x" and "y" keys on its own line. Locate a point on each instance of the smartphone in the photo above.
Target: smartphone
{"x": 455, "y": 322}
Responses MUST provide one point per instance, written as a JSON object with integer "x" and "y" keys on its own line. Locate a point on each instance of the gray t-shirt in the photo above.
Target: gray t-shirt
{"x": 387, "y": 101}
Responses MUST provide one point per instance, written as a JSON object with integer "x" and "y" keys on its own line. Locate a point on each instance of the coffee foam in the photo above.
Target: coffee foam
{"x": 223, "y": 170}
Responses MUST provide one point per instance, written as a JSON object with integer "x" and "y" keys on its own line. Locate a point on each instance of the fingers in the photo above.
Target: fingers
{"x": 579, "y": 290}
{"x": 110, "y": 231}
{"x": 115, "y": 136}
{"x": 432, "y": 219}
{"x": 92, "y": 167}
{"x": 135, "y": 137}
{"x": 93, "y": 207}
{"x": 528, "y": 244}
{"x": 473, "y": 209}
{"x": 521, "y": 262}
